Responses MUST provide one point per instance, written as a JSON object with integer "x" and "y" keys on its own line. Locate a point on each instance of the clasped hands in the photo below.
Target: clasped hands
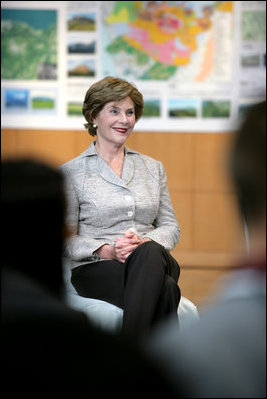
{"x": 122, "y": 248}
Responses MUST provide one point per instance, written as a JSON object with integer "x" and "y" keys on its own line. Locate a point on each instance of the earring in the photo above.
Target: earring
{"x": 94, "y": 126}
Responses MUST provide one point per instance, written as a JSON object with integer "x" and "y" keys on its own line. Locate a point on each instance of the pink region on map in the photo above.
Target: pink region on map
{"x": 165, "y": 52}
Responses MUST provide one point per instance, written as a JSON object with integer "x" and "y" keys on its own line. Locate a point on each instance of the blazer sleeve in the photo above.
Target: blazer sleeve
{"x": 77, "y": 247}
{"x": 167, "y": 229}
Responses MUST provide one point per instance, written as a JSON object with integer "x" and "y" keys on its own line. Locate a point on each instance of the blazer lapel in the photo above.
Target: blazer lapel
{"x": 128, "y": 169}
{"x": 107, "y": 173}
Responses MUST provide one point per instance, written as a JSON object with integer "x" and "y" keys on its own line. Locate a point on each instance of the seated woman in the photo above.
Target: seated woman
{"x": 120, "y": 214}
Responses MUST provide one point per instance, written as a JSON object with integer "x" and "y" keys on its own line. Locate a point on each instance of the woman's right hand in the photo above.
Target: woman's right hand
{"x": 107, "y": 251}
{"x": 117, "y": 251}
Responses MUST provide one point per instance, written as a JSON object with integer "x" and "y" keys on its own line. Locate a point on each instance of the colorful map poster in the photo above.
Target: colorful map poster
{"x": 168, "y": 40}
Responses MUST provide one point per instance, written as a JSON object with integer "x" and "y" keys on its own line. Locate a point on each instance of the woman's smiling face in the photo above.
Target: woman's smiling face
{"x": 116, "y": 120}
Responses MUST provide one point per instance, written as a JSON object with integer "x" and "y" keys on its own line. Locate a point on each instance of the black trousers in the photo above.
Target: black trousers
{"x": 145, "y": 286}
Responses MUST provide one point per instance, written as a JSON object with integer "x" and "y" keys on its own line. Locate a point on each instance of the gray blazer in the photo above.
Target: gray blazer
{"x": 101, "y": 206}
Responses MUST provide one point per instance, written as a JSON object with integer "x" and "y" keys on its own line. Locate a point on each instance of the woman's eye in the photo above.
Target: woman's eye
{"x": 128, "y": 113}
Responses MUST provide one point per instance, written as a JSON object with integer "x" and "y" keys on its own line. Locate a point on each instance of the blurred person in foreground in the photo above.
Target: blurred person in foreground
{"x": 49, "y": 350}
{"x": 223, "y": 355}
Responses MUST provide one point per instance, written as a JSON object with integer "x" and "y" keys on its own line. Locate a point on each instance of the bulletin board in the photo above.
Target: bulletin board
{"x": 198, "y": 64}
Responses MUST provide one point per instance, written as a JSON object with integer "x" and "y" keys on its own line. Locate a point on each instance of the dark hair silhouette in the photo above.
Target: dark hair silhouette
{"x": 248, "y": 164}
{"x": 32, "y": 203}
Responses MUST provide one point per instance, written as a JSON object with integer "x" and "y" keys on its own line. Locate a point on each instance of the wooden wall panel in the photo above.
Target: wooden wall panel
{"x": 210, "y": 158}
{"x": 51, "y": 146}
{"x": 216, "y": 223}
{"x": 173, "y": 150}
{"x": 82, "y": 141}
{"x": 200, "y": 285}
{"x": 8, "y": 144}
{"x": 183, "y": 207}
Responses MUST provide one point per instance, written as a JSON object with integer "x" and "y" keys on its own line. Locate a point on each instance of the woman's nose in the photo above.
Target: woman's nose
{"x": 123, "y": 117}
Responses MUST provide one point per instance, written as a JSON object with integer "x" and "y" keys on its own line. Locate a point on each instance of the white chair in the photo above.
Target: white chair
{"x": 109, "y": 317}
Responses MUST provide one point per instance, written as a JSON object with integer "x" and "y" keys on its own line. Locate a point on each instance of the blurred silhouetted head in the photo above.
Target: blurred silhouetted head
{"x": 32, "y": 201}
{"x": 248, "y": 165}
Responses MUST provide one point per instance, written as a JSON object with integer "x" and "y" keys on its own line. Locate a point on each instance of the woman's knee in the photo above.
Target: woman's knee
{"x": 163, "y": 257}
{"x": 151, "y": 246}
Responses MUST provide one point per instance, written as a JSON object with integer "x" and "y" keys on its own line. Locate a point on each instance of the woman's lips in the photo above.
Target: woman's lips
{"x": 120, "y": 129}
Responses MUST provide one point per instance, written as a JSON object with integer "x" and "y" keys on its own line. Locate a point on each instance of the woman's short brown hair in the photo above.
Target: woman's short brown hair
{"x": 106, "y": 90}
